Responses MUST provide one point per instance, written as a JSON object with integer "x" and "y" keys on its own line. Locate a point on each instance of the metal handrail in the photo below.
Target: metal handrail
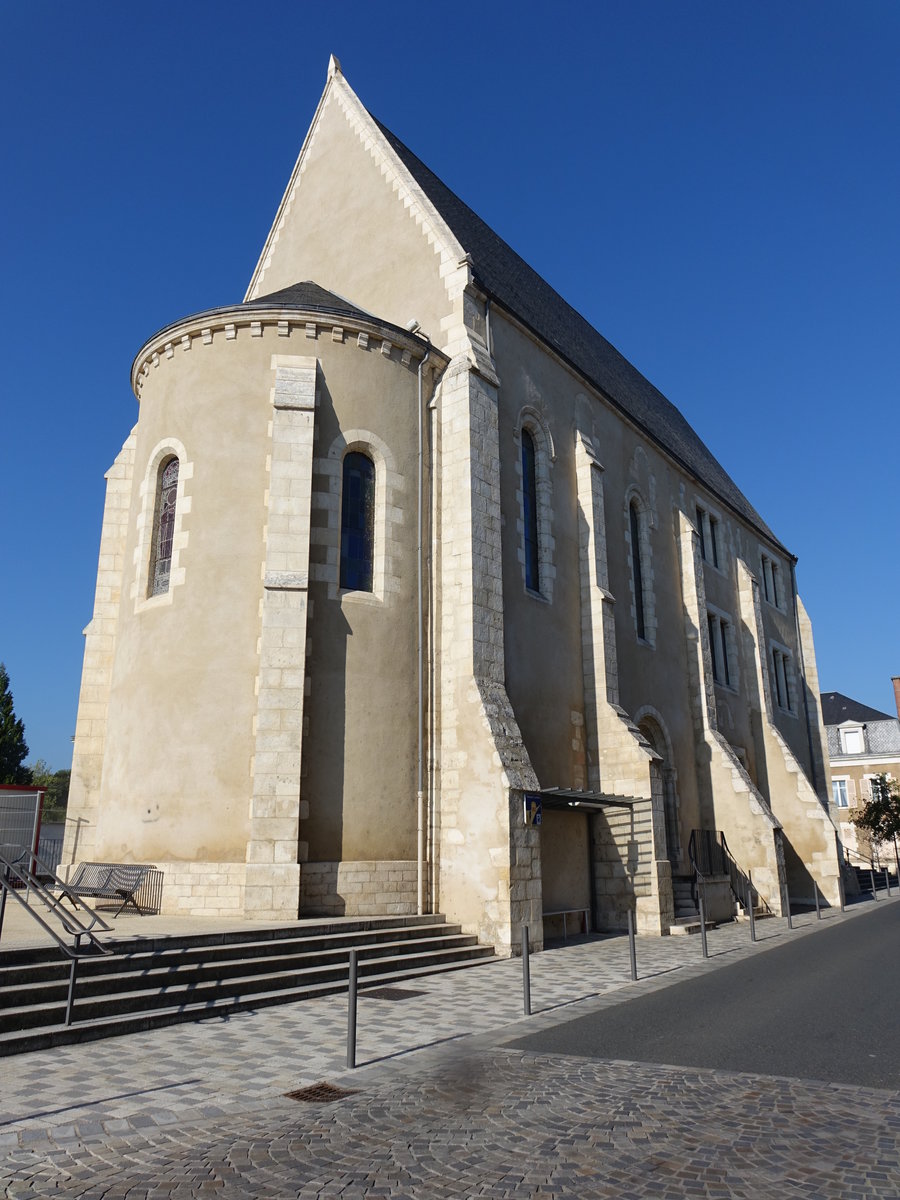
{"x": 868, "y": 864}
{"x": 32, "y": 877}
{"x": 710, "y": 846}
{"x": 74, "y": 927}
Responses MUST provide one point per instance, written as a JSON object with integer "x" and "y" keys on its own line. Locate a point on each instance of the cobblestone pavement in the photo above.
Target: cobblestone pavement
{"x": 199, "y": 1110}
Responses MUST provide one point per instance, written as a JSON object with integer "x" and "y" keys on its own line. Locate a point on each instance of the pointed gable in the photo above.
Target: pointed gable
{"x": 354, "y": 219}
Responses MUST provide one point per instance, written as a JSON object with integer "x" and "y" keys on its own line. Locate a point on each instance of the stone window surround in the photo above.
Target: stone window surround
{"x": 645, "y": 550}
{"x": 143, "y": 551}
{"x": 533, "y": 422}
{"x": 782, "y": 655}
{"x": 710, "y": 528}
{"x": 772, "y": 582}
{"x": 389, "y": 515}
{"x": 840, "y": 795}
{"x": 724, "y": 621}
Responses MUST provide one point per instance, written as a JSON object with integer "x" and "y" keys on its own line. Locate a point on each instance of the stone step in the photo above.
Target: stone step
{"x": 23, "y": 1041}
{"x": 134, "y": 956}
{"x": 169, "y": 979}
{"x": 147, "y": 981}
{"x": 683, "y": 928}
{"x": 326, "y": 927}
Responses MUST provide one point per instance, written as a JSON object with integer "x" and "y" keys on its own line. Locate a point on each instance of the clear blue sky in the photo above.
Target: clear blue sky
{"x": 715, "y": 185}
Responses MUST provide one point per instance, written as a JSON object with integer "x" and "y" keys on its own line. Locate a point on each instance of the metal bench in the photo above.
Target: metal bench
{"x": 131, "y": 883}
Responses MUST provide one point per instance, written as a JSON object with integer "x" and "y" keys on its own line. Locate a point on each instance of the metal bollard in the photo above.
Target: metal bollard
{"x": 874, "y": 893}
{"x": 632, "y": 949}
{"x": 787, "y": 905}
{"x": 750, "y": 907}
{"x": 526, "y": 972}
{"x": 702, "y": 908}
{"x": 351, "y": 1012}
{"x": 818, "y": 907}
{"x": 70, "y": 999}
{"x": 887, "y": 881}
{"x": 841, "y": 891}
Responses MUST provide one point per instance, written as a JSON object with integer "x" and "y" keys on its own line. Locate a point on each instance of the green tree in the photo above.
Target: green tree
{"x": 880, "y": 816}
{"x": 13, "y": 748}
{"x": 56, "y": 789}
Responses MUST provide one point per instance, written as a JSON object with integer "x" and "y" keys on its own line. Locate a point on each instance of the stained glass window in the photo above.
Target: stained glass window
{"x": 637, "y": 568}
{"x": 358, "y": 523}
{"x": 164, "y": 528}
{"x": 529, "y": 512}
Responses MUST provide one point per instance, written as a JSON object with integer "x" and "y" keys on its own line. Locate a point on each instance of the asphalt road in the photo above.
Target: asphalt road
{"x": 824, "y": 1007}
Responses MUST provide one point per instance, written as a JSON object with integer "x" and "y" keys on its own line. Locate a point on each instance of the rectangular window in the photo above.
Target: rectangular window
{"x": 701, "y": 530}
{"x": 721, "y": 648}
{"x": 781, "y": 679}
{"x": 771, "y": 581}
{"x": 713, "y": 647}
{"x": 708, "y": 533}
{"x": 714, "y": 540}
{"x": 839, "y": 793}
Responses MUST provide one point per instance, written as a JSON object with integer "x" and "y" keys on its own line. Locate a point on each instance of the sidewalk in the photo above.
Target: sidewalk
{"x": 170, "y": 1094}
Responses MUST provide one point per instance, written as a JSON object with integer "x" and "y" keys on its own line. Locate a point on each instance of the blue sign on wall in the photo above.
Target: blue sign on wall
{"x": 533, "y": 808}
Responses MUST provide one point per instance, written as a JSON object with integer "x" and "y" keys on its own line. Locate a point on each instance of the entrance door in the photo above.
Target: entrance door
{"x": 565, "y": 872}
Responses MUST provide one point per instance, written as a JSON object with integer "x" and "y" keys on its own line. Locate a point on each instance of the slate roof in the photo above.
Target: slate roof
{"x": 838, "y": 708}
{"x": 308, "y": 295}
{"x": 509, "y": 280}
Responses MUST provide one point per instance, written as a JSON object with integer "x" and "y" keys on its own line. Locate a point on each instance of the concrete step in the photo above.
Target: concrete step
{"x": 129, "y": 957}
{"x": 58, "y": 1034}
{"x": 326, "y": 927}
{"x": 144, "y": 982}
{"x": 685, "y": 926}
{"x": 168, "y": 980}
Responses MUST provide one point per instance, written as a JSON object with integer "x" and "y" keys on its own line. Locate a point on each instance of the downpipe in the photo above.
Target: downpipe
{"x": 420, "y": 649}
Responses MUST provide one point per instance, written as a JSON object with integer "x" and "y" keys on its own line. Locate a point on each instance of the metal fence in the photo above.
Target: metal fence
{"x": 20, "y": 816}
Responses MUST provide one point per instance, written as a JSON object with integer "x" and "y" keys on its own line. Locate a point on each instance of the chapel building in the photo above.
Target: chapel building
{"x": 415, "y": 595}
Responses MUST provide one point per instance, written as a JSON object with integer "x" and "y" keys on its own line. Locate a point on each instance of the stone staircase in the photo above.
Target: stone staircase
{"x": 687, "y": 915}
{"x": 153, "y": 981}
{"x": 884, "y": 879}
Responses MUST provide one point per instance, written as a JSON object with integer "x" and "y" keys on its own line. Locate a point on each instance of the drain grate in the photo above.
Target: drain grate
{"x": 320, "y": 1093}
{"x": 393, "y": 993}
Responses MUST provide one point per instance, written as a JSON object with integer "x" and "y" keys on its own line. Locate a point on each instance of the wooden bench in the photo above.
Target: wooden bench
{"x": 116, "y": 881}
{"x": 570, "y": 912}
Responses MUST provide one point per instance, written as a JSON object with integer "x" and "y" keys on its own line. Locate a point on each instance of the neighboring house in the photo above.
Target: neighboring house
{"x": 862, "y": 743}
{"x": 401, "y": 553}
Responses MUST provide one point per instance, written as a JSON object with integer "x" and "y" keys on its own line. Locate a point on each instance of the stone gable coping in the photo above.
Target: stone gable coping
{"x": 435, "y": 230}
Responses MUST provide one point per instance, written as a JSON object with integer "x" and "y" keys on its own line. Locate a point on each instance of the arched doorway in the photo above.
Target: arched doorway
{"x": 652, "y": 728}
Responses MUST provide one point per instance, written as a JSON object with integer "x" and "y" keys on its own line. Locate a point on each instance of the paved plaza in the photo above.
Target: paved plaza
{"x": 443, "y": 1104}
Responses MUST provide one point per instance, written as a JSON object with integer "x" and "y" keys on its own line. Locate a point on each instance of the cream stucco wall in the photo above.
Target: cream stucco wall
{"x": 256, "y": 718}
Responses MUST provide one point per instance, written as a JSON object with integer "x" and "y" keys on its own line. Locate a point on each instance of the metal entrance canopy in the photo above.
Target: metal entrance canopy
{"x": 556, "y": 797}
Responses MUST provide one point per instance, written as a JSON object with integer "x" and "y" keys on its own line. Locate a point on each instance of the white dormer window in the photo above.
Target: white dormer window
{"x": 853, "y": 739}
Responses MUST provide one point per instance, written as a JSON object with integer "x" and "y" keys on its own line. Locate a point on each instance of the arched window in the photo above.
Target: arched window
{"x": 357, "y": 522}
{"x": 164, "y": 527}
{"x": 637, "y": 569}
{"x": 530, "y": 512}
